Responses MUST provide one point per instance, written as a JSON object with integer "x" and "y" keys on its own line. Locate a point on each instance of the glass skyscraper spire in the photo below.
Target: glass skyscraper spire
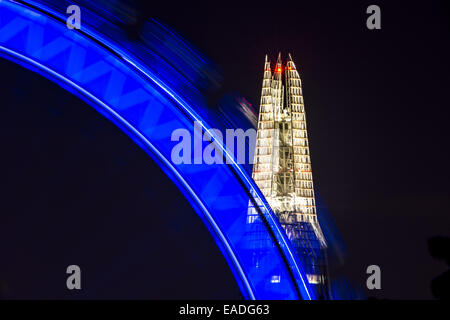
{"x": 282, "y": 166}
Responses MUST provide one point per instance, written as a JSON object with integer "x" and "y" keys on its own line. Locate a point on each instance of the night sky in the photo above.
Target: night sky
{"x": 377, "y": 111}
{"x": 79, "y": 191}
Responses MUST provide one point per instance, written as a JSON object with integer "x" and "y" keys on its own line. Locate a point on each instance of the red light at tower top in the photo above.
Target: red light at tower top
{"x": 279, "y": 69}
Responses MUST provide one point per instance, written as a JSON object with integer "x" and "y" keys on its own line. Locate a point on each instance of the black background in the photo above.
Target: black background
{"x": 377, "y": 106}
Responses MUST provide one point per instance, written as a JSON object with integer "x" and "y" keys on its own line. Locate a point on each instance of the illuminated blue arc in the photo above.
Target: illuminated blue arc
{"x": 124, "y": 89}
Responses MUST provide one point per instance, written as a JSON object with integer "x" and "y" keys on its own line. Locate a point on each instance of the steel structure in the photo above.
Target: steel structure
{"x": 282, "y": 166}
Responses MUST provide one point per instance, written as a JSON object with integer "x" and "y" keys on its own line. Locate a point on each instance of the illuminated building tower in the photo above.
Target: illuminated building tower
{"x": 282, "y": 167}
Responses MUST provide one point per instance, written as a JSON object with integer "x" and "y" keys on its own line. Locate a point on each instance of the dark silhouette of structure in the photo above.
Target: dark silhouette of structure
{"x": 439, "y": 248}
